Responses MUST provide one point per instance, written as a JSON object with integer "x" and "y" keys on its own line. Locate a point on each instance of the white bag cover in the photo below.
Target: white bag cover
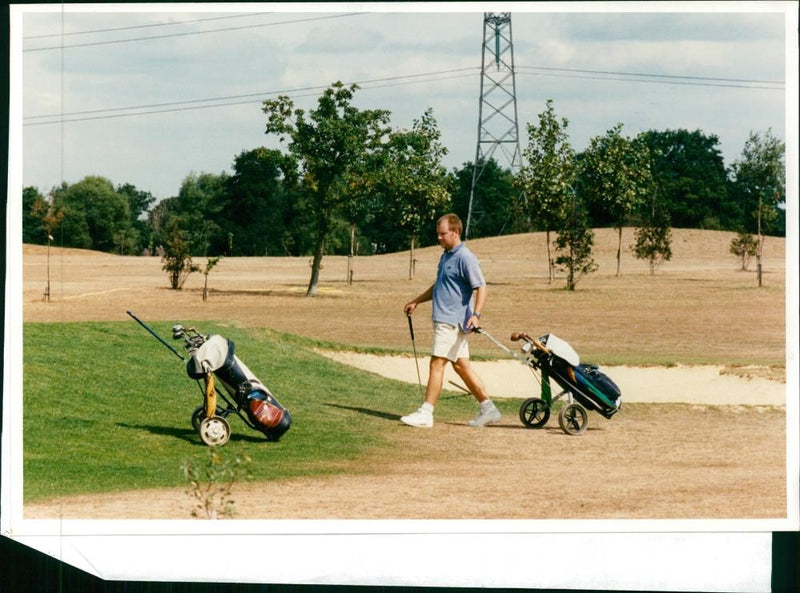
{"x": 212, "y": 354}
{"x": 561, "y": 349}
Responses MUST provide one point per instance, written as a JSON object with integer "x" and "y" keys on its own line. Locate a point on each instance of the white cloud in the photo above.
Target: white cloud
{"x": 315, "y": 49}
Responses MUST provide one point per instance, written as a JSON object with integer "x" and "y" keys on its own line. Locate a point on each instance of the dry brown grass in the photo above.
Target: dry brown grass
{"x": 699, "y": 308}
{"x": 651, "y": 461}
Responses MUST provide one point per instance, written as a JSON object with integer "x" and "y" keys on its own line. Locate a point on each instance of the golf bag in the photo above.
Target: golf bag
{"x": 213, "y": 360}
{"x": 584, "y": 385}
{"x": 217, "y": 355}
{"x": 592, "y": 388}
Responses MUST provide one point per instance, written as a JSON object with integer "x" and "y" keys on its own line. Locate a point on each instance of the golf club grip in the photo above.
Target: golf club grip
{"x": 410, "y": 326}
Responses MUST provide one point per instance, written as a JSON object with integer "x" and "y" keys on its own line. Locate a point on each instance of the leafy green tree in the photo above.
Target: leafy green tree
{"x": 689, "y": 171}
{"x": 362, "y": 205}
{"x": 327, "y": 144}
{"x": 760, "y": 181}
{"x": 199, "y": 206}
{"x": 137, "y": 237}
{"x": 548, "y": 175}
{"x": 495, "y": 191}
{"x": 574, "y": 244}
{"x": 211, "y": 262}
{"x": 34, "y": 209}
{"x": 653, "y": 238}
{"x": 413, "y": 180}
{"x": 177, "y": 258}
{"x": 257, "y": 211}
{"x": 158, "y": 223}
{"x": 94, "y": 213}
{"x": 744, "y": 246}
{"x": 616, "y": 172}
{"x": 759, "y": 178}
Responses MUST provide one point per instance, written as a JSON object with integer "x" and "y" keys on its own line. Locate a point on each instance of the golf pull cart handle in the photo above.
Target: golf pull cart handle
{"x": 514, "y": 337}
{"x": 517, "y": 336}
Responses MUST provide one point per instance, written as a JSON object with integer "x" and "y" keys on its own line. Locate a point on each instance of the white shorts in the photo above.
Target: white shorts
{"x": 449, "y": 342}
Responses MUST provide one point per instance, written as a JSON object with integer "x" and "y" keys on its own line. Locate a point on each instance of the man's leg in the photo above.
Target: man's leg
{"x": 487, "y": 412}
{"x": 435, "y": 379}
{"x": 471, "y": 378}
{"x": 423, "y": 417}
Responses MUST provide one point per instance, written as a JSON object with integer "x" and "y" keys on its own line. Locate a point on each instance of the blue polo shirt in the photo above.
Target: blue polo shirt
{"x": 458, "y": 275}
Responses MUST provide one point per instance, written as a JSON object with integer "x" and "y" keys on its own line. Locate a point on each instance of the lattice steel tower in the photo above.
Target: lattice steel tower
{"x": 497, "y": 111}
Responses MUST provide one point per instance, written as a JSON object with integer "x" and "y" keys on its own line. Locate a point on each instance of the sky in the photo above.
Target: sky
{"x": 148, "y": 94}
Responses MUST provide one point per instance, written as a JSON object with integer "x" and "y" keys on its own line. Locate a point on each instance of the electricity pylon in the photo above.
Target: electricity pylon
{"x": 497, "y": 111}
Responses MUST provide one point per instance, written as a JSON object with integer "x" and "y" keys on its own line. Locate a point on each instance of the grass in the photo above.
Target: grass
{"x": 107, "y": 408}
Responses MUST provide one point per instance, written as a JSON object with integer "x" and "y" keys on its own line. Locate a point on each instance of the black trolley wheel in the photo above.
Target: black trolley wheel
{"x": 573, "y": 419}
{"x": 534, "y": 412}
{"x": 200, "y": 413}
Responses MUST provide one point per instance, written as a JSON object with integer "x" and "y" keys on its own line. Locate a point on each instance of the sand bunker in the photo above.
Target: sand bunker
{"x": 702, "y": 385}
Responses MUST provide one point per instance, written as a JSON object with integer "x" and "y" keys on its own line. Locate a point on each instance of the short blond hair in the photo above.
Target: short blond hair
{"x": 453, "y": 223}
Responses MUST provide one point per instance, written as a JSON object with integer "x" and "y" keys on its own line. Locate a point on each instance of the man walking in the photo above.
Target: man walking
{"x": 458, "y": 276}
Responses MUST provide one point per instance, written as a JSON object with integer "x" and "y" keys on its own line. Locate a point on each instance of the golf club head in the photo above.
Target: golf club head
{"x": 177, "y": 332}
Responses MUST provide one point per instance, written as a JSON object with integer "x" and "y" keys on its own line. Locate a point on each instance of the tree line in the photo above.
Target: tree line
{"x": 348, "y": 183}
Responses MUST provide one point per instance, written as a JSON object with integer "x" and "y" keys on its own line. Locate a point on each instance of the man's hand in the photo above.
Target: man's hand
{"x": 409, "y": 308}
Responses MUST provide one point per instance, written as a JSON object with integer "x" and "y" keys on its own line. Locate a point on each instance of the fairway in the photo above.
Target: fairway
{"x": 681, "y": 461}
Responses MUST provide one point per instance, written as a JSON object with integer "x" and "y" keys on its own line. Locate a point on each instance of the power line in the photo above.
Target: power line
{"x": 189, "y": 33}
{"x": 147, "y": 26}
{"x": 706, "y": 78}
{"x": 675, "y": 82}
{"x": 231, "y": 100}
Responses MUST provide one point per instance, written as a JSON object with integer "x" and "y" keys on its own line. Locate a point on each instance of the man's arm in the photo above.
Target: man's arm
{"x": 425, "y": 296}
{"x": 480, "y": 302}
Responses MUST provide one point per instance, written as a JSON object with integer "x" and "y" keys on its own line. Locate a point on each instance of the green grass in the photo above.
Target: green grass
{"x": 107, "y": 408}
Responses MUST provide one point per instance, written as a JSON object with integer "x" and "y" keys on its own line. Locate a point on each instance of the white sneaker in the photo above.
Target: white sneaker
{"x": 484, "y": 417}
{"x": 421, "y": 418}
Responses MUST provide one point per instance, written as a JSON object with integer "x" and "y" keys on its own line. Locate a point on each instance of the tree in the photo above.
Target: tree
{"x": 495, "y": 191}
{"x": 360, "y": 208}
{"x": 413, "y": 180}
{"x": 574, "y": 244}
{"x": 35, "y": 208}
{"x": 177, "y": 258}
{"x": 548, "y": 175}
{"x": 199, "y": 204}
{"x": 617, "y": 175}
{"x": 135, "y": 238}
{"x": 210, "y": 263}
{"x": 257, "y": 211}
{"x": 760, "y": 179}
{"x": 759, "y": 175}
{"x": 653, "y": 239}
{"x": 689, "y": 171}
{"x": 158, "y": 222}
{"x": 327, "y": 143}
{"x": 744, "y": 246}
{"x": 94, "y": 214}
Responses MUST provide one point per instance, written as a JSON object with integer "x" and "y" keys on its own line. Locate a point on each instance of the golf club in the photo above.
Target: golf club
{"x": 416, "y": 358}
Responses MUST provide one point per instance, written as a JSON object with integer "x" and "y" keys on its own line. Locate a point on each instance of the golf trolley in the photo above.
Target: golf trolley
{"x": 212, "y": 360}
{"x": 583, "y": 384}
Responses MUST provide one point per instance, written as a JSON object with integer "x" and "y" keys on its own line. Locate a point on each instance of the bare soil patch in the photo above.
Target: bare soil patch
{"x": 658, "y": 461}
{"x": 649, "y": 461}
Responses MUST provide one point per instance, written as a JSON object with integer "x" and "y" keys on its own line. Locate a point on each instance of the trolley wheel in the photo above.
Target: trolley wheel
{"x": 200, "y": 413}
{"x": 573, "y": 419}
{"x": 214, "y": 431}
{"x": 534, "y": 412}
